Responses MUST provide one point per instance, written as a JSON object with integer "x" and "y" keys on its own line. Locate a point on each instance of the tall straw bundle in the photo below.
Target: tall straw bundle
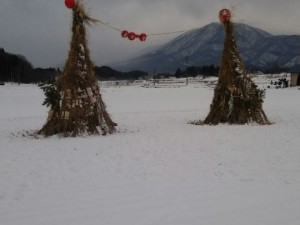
{"x": 80, "y": 109}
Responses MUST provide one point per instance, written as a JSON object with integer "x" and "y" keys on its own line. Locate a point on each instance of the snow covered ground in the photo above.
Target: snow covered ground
{"x": 157, "y": 170}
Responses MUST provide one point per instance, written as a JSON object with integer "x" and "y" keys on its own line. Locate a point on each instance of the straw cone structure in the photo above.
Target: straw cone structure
{"x": 237, "y": 100}
{"x": 80, "y": 109}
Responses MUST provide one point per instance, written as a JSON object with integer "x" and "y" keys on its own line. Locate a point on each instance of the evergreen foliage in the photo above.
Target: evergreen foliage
{"x": 51, "y": 94}
{"x": 178, "y": 73}
{"x": 193, "y": 71}
{"x": 15, "y": 68}
{"x": 107, "y": 73}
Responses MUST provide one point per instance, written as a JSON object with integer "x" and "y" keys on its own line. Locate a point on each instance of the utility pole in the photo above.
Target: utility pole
{"x": 186, "y": 71}
{"x": 11, "y": 75}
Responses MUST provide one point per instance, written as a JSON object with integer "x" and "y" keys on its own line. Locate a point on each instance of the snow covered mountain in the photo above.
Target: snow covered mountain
{"x": 204, "y": 46}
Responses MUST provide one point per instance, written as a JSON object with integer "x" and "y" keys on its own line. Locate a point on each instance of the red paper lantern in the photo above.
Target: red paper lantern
{"x": 224, "y": 15}
{"x": 70, "y": 4}
{"x": 131, "y": 36}
{"x": 124, "y": 34}
{"x": 143, "y": 37}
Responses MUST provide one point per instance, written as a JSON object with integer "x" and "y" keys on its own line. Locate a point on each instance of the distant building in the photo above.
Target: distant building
{"x": 295, "y": 79}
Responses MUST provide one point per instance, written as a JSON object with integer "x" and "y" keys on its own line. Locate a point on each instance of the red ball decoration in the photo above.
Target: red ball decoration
{"x": 70, "y": 4}
{"x": 88, "y": 100}
{"x": 143, "y": 37}
{"x": 224, "y": 15}
{"x": 131, "y": 36}
{"x": 124, "y": 34}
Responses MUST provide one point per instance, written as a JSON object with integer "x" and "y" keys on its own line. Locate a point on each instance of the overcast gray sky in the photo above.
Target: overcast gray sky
{"x": 40, "y": 29}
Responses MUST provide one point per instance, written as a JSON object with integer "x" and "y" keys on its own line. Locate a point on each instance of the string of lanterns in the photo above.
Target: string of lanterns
{"x": 70, "y": 4}
{"x": 131, "y": 35}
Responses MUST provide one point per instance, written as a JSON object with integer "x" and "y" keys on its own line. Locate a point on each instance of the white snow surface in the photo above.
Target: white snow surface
{"x": 157, "y": 170}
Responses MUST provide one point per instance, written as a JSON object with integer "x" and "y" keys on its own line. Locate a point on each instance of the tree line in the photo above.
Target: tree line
{"x": 107, "y": 73}
{"x": 16, "y": 68}
{"x": 193, "y": 71}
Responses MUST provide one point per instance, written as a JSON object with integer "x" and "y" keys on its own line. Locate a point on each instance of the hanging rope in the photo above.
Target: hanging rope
{"x": 109, "y": 26}
{"x": 173, "y": 32}
{"x": 132, "y": 35}
{"x": 124, "y": 33}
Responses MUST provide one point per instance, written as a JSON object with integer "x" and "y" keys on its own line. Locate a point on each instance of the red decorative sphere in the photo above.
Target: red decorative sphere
{"x": 70, "y": 4}
{"x": 88, "y": 100}
{"x": 224, "y": 15}
{"x": 131, "y": 36}
{"x": 124, "y": 34}
{"x": 143, "y": 37}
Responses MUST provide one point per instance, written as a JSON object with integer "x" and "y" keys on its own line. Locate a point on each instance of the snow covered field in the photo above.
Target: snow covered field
{"x": 158, "y": 170}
